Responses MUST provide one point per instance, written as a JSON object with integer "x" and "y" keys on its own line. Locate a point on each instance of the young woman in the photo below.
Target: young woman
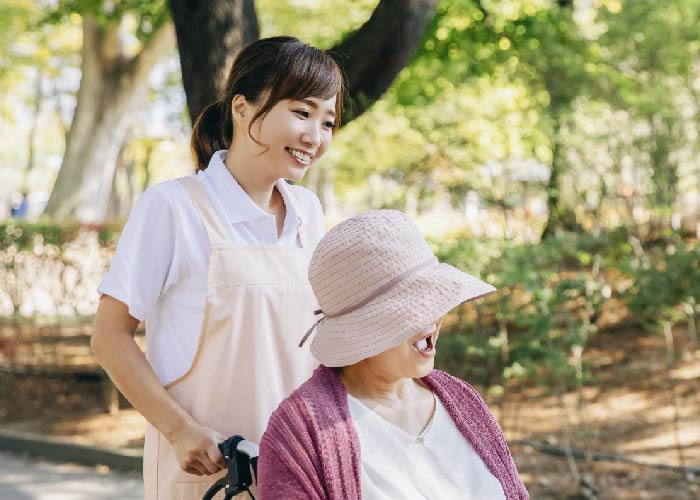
{"x": 216, "y": 265}
{"x": 375, "y": 421}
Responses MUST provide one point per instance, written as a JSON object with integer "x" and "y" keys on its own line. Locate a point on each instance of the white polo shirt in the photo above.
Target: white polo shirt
{"x": 159, "y": 269}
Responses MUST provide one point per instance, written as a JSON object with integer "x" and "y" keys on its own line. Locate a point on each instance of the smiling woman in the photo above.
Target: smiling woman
{"x": 216, "y": 264}
{"x": 293, "y": 134}
{"x": 281, "y": 71}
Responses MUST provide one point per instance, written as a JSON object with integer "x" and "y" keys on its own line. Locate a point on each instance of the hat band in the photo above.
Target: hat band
{"x": 384, "y": 288}
{"x": 369, "y": 298}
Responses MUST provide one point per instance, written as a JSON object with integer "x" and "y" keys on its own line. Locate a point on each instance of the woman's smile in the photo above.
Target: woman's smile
{"x": 301, "y": 157}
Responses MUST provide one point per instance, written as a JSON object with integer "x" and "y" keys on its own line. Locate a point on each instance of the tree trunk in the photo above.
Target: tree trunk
{"x": 123, "y": 193}
{"x": 209, "y": 35}
{"x": 559, "y": 216}
{"x": 553, "y": 195}
{"x": 664, "y": 173}
{"x": 373, "y": 55}
{"x": 38, "y": 101}
{"x": 111, "y": 90}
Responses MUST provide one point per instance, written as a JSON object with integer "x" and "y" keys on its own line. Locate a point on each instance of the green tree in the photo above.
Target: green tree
{"x": 34, "y": 58}
{"x": 114, "y": 79}
{"x": 654, "y": 50}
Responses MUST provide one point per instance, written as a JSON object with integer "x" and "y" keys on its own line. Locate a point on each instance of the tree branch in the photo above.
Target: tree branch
{"x": 110, "y": 46}
{"x": 373, "y": 55}
{"x": 92, "y": 42}
{"x": 153, "y": 49}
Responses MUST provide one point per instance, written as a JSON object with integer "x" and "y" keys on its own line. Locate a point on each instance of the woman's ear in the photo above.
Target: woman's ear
{"x": 239, "y": 108}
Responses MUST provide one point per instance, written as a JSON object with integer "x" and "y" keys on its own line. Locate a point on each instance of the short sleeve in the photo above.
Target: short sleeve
{"x": 143, "y": 259}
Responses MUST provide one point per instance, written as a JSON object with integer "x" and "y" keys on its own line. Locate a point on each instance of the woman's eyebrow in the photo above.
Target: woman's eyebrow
{"x": 315, "y": 106}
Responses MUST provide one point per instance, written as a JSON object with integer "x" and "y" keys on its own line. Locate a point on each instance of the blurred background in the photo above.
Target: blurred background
{"x": 550, "y": 147}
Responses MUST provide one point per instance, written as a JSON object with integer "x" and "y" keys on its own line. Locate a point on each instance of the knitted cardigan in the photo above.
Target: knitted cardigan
{"x": 311, "y": 450}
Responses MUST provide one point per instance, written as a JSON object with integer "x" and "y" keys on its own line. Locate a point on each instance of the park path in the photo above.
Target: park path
{"x": 22, "y": 479}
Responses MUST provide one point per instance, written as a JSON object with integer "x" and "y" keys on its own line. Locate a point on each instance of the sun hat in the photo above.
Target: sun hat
{"x": 377, "y": 284}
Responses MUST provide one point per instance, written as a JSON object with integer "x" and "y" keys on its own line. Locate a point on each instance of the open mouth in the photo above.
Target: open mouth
{"x": 425, "y": 345}
{"x": 300, "y": 157}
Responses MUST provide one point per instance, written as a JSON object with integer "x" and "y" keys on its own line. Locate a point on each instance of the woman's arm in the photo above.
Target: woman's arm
{"x": 117, "y": 352}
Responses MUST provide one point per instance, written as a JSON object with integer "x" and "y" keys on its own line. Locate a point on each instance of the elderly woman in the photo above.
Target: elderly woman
{"x": 376, "y": 421}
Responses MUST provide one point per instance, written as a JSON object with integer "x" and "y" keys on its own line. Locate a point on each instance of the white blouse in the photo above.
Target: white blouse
{"x": 159, "y": 269}
{"x": 439, "y": 464}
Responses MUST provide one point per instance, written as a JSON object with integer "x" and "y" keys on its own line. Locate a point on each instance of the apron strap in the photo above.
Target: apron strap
{"x": 216, "y": 230}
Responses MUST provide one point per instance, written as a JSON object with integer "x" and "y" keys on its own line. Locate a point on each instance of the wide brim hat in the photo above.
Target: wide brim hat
{"x": 378, "y": 284}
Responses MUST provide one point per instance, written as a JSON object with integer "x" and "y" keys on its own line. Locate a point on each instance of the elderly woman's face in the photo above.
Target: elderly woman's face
{"x": 413, "y": 358}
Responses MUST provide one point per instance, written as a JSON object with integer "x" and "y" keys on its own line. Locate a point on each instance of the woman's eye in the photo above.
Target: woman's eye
{"x": 302, "y": 112}
{"x": 329, "y": 124}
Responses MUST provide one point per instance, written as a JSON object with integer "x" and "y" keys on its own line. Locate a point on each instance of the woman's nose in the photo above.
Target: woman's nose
{"x": 312, "y": 135}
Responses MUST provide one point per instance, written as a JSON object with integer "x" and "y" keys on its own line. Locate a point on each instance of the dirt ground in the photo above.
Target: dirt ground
{"x": 629, "y": 410}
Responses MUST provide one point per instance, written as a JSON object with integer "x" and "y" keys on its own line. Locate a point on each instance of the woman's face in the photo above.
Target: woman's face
{"x": 412, "y": 358}
{"x": 294, "y": 135}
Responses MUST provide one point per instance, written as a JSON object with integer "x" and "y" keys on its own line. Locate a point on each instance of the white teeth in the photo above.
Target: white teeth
{"x": 300, "y": 155}
{"x": 422, "y": 344}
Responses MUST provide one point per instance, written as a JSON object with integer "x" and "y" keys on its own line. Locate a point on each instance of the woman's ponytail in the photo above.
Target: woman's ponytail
{"x": 212, "y": 131}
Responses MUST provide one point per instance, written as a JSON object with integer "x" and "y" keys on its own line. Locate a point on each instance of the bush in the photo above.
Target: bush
{"x": 666, "y": 284}
{"x": 540, "y": 320}
{"x": 52, "y": 270}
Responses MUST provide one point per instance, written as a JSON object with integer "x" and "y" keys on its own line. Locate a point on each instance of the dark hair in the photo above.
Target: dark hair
{"x": 277, "y": 68}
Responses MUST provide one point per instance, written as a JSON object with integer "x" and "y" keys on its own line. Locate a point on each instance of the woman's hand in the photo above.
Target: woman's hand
{"x": 197, "y": 451}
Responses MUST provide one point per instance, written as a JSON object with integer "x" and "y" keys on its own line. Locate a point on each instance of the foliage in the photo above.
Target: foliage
{"x": 317, "y": 22}
{"x": 51, "y": 270}
{"x": 148, "y": 16}
{"x": 14, "y": 20}
{"x": 27, "y": 235}
{"x": 551, "y": 295}
{"x": 511, "y": 82}
{"x": 656, "y": 70}
{"x": 666, "y": 281}
{"x": 25, "y": 42}
{"x": 543, "y": 315}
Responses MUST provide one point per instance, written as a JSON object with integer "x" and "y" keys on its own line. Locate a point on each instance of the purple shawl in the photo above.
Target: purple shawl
{"x": 311, "y": 451}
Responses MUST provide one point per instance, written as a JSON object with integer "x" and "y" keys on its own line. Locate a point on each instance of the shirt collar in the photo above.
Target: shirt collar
{"x": 237, "y": 205}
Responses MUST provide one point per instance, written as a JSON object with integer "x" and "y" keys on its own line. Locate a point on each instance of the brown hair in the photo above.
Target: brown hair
{"x": 274, "y": 69}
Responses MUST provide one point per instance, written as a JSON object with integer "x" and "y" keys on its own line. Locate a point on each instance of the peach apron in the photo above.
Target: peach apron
{"x": 259, "y": 303}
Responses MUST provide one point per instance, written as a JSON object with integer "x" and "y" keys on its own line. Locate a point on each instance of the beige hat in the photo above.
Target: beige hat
{"x": 378, "y": 283}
